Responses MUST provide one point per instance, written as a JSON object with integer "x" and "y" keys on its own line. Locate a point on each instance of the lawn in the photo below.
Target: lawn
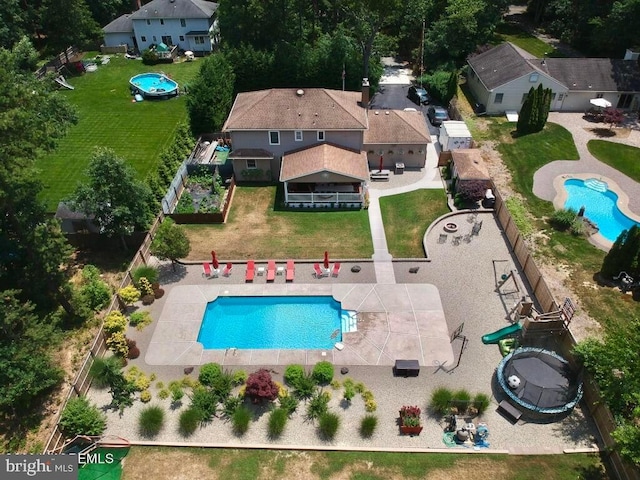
{"x": 171, "y": 463}
{"x": 508, "y": 32}
{"x": 406, "y": 218}
{"x": 107, "y": 117}
{"x": 255, "y": 229}
{"x": 623, "y": 158}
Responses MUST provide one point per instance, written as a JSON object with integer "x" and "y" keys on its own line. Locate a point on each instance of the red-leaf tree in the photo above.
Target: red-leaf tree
{"x": 613, "y": 116}
{"x": 261, "y": 387}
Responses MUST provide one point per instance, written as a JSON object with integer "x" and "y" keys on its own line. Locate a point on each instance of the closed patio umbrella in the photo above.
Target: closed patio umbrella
{"x": 600, "y": 102}
{"x": 326, "y": 259}
{"x": 214, "y": 260}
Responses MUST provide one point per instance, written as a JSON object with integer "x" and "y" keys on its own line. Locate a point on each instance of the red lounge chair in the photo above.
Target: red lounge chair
{"x": 251, "y": 271}
{"x": 271, "y": 271}
{"x": 290, "y": 271}
{"x": 206, "y": 269}
{"x": 318, "y": 271}
{"x": 226, "y": 271}
{"x": 336, "y": 269}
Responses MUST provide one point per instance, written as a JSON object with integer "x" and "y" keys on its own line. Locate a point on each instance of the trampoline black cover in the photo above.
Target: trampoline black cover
{"x": 540, "y": 380}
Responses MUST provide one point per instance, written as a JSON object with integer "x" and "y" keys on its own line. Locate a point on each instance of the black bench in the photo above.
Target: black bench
{"x": 508, "y": 411}
{"x": 406, "y": 368}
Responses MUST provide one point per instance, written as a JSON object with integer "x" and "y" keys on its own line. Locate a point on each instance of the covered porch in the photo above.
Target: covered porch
{"x": 324, "y": 176}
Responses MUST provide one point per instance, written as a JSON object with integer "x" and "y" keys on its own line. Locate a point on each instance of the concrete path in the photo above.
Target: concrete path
{"x": 582, "y": 132}
{"x": 395, "y": 73}
{"x": 428, "y": 177}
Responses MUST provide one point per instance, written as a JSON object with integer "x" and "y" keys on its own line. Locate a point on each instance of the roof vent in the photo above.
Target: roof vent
{"x": 387, "y": 112}
{"x": 377, "y": 112}
{"x": 300, "y": 92}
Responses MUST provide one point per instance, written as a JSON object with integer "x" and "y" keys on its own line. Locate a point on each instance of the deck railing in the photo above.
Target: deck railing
{"x": 327, "y": 197}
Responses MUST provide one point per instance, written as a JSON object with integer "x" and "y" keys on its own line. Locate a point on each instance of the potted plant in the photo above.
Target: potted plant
{"x": 410, "y": 420}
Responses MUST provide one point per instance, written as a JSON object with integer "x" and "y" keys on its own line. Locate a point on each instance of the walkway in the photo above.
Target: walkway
{"x": 428, "y": 177}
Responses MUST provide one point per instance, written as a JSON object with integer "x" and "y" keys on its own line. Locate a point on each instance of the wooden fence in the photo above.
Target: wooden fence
{"x": 82, "y": 381}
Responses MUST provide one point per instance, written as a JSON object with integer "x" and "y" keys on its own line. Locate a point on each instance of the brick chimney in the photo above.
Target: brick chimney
{"x": 365, "y": 93}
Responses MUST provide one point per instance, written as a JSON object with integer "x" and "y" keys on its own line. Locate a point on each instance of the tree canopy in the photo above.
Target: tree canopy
{"x": 171, "y": 242}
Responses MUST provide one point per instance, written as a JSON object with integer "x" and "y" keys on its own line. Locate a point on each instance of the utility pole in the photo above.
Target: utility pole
{"x": 344, "y": 74}
{"x": 422, "y": 54}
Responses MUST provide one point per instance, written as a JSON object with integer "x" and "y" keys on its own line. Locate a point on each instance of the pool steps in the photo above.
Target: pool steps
{"x": 349, "y": 321}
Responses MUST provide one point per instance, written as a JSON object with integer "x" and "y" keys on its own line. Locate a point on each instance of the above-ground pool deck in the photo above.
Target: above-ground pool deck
{"x": 401, "y": 321}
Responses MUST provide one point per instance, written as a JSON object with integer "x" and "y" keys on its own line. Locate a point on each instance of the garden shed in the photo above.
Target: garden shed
{"x": 454, "y": 135}
{"x": 467, "y": 166}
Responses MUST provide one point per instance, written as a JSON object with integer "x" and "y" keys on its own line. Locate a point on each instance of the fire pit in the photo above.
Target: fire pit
{"x": 450, "y": 227}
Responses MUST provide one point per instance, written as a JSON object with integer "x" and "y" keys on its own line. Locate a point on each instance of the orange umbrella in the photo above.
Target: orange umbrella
{"x": 326, "y": 259}
{"x": 214, "y": 260}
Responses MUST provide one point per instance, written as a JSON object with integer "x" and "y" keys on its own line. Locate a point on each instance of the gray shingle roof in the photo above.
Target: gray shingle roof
{"x": 500, "y": 65}
{"x": 324, "y": 157}
{"x": 396, "y": 127}
{"x": 596, "y": 74}
{"x": 176, "y": 9}
{"x": 122, "y": 24}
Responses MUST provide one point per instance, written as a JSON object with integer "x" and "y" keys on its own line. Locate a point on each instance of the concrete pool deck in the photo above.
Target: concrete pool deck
{"x": 394, "y": 321}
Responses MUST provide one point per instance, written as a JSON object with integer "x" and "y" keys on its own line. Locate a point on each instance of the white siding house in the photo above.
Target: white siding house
{"x": 188, "y": 24}
{"x": 500, "y": 79}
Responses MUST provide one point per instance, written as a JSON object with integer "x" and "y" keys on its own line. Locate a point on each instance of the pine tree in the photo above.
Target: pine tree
{"x": 624, "y": 255}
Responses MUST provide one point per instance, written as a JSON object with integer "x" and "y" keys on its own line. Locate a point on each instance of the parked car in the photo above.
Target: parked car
{"x": 418, "y": 95}
{"x": 437, "y": 115}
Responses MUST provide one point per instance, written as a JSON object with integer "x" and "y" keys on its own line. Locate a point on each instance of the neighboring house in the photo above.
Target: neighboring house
{"x": 187, "y": 24}
{"x": 467, "y": 166}
{"x": 500, "y": 79}
{"x": 320, "y": 143}
{"x": 74, "y": 222}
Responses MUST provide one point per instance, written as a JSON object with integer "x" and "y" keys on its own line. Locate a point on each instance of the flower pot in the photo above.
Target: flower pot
{"x": 405, "y": 430}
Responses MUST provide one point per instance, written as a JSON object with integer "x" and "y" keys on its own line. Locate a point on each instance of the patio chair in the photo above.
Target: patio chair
{"x": 475, "y": 230}
{"x": 290, "y": 271}
{"x": 206, "y": 269}
{"x": 318, "y": 272}
{"x": 456, "y": 239}
{"x": 271, "y": 271}
{"x": 336, "y": 269}
{"x": 251, "y": 271}
{"x": 226, "y": 271}
{"x": 442, "y": 238}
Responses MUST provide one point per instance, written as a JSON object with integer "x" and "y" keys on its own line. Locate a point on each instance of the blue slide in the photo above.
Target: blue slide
{"x": 500, "y": 334}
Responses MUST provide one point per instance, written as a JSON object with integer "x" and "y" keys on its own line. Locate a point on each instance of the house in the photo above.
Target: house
{"x": 187, "y": 24}
{"x": 320, "y": 143}
{"x": 500, "y": 80}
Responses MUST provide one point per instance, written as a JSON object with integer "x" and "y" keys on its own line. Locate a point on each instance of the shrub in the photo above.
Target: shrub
{"x": 239, "y": 377}
{"x": 176, "y": 395}
{"x": 79, "y": 417}
{"x": 441, "y": 400}
{"x": 289, "y": 403}
{"x": 158, "y": 293}
{"x": 292, "y": 374}
{"x": 209, "y": 373}
{"x": 205, "y": 402}
{"x": 151, "y": 421}
{"x": 360, "y": 387}
{"x": 562, "y": 219}
{"x": 222, "y": 386}
{"x": 231, "y": 404}
{"x": 481, "y": 402}
{"x": 577, "y": 228}
{"x": 349, "y": 393}
{"x": 261, "y": 387}
{"x": 134, "y": 352}
{"x": 115, "y": 322}
{"x": 241, "y": 418}
{"x": 277, "y": 421}
{"x": 335, "y": 384}
{"x": 368, "y": 425}
{"x": 317, "y": 406}
{"x": 145, "y": 396}
{"x": 147, "y": 299}
{"x": 129, "y": 295}
{"x": 624, "y": 255}
{"x": 149, "y": 57}
{"x": 145, "y": 271}
{"x": 117, "y": 343}
{"x": 90, "y": 273}
{"x": 97, "y": 294}
{"x": 471, "y": 190}
{"x": 370, "y": 405}
{"x": 140, "y": 319}
{"x": 104, "y": 369}
{"x": 189, "y": 421}
{"x": 328, "y": 425}
{"x": 323, "y": 373}
{"x": 461, "y": 400}
{"x": 163, "y": 394}
{"x": 305, "y": 386}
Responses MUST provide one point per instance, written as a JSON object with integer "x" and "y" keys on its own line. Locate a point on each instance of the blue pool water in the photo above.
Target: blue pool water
{"x": 600, "y": 206}
{"x": 271, "y": 322}
{"x": 154, "y": 84}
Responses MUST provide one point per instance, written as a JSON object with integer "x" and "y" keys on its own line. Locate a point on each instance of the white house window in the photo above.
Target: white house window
{"x": 148, "y": 22}
{"x": 298, "y": 135}
{"x": 499, "y": 97}
{"x": 199, "y": 40}
{"x": 599, "y": 95}
{"x": 533, "y": 77}
{"x": 553, "y": 96}
{"x": 252, "y": 164}
{"x": 183, "y": 22}
{"x": 162, "y": 21}
{"x": 143, "y": 38}
{"x": 274, "y": 138}
{"x": 321, "y": 135}
{"x": 560, "y": 97}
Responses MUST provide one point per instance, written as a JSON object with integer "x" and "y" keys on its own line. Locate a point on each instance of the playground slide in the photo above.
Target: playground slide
{"x": 61, "y": 81}
{"x": 494, "y": 337}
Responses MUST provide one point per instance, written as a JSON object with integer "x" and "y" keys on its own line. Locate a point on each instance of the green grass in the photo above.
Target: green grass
{"x": 508, "y": 32}
{"x": 406, "y": 218}
{"x": 165, "y": 463}
{"x": 106, "y": 117}
{"x": 623, "y": 158}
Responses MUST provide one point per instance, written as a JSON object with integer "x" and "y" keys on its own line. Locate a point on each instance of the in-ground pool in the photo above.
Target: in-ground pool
{"x": 600, "y": 205}
{"x": 271, "y": 323}
{"x": 153, "y": 85}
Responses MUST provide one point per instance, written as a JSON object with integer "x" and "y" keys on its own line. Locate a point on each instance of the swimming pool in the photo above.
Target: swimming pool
{"x": 154, "y": 85}
{"x": 271, "y": 323}
{"x": 600, "y": 206}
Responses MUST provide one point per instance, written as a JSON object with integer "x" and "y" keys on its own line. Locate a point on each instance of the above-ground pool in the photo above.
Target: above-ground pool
{"x": 154, "y": 85}
{"x": 600, "y": 205}
{"x": 271, "y": 323}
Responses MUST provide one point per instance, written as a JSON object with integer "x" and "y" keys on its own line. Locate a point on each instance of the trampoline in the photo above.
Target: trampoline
{"x": 539, "y": 380}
